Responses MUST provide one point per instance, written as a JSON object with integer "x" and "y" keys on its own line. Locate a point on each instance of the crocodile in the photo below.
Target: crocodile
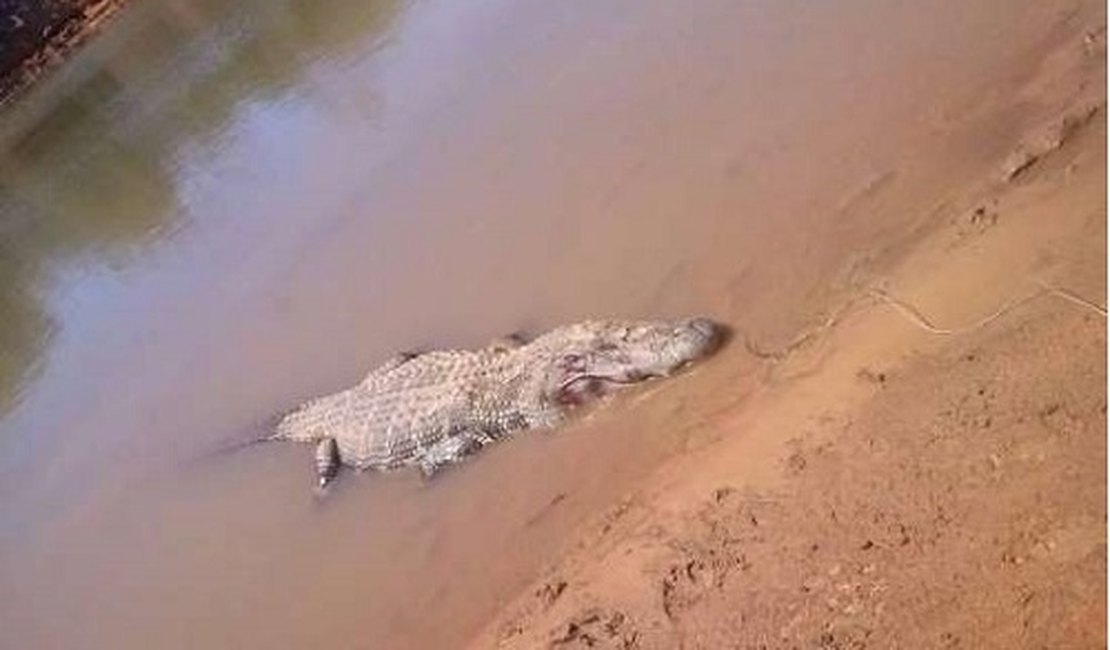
{"x": 434, "y": 409}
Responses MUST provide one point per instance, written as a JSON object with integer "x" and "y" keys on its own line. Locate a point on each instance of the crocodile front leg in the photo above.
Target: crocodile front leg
{"x": 508, "y": 343}
{"x": 451, "y": 450}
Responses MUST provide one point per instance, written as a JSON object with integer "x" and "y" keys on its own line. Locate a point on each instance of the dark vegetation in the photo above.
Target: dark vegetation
{"x": 36, "y": 34}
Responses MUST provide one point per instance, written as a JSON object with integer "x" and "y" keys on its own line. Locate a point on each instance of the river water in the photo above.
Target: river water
{"x": 219, "y": 209}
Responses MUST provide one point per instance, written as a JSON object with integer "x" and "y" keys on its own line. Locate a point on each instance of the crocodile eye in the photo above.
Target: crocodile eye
{"x": 579, "y": 391}
{"x": 573, "y": 363}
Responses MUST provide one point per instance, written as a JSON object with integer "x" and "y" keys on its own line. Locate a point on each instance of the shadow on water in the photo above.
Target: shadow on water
{"x": 88, "y": 162}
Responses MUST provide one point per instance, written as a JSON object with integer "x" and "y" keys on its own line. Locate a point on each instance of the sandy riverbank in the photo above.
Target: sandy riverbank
{"x": 924, "y": 468}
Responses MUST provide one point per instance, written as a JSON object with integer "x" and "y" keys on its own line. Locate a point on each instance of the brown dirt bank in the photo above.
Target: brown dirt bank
{"x": 36, "y": 35}
{"x": 926, "y": 471}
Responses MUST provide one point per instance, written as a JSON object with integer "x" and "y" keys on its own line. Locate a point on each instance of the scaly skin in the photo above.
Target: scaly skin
{"x": 433, "y": 409}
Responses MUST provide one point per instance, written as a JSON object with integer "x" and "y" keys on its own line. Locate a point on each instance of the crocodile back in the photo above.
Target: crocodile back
{"x": 395, "y": 415}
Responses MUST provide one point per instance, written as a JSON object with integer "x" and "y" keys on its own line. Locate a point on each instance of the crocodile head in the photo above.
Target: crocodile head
{"x": 625, "y": 353}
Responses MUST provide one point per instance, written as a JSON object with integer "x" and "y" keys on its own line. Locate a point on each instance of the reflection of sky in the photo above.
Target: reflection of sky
{"x": 287, "y": 149}
{"x": 178, "y": 117}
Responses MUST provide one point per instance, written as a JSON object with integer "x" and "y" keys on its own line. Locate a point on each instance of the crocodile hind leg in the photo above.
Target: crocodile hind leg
{"x": 327, "y": 462}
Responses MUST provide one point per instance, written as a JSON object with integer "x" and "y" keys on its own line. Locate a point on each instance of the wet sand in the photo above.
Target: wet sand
{"x": 816, "y": 484}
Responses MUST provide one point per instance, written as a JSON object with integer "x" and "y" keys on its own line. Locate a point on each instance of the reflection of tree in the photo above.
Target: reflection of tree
{"x": 24, "y": 329}
{"x": 93, "y": 178}
{"x": 67, "y": 191}
{"x": 250, "y": 50}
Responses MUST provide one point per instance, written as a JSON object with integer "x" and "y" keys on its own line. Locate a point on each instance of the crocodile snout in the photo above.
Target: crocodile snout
{"x": 706, "y": 327}
{"x": 711, "y": 335}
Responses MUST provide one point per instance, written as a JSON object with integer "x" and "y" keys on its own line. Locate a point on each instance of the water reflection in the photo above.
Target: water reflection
{"x": 90, "y": 167}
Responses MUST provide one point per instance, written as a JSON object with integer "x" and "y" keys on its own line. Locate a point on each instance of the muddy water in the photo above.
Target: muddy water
{"x": 215, "y": 212}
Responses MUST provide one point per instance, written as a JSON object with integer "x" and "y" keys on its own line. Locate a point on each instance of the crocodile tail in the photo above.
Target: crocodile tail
{"x": 272, "y": 427}
{"x": 294, "y": 425}
{"x": 261, "y": 435}
{"x": 312, "y": 421}
{"x": 243, "y": 444}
